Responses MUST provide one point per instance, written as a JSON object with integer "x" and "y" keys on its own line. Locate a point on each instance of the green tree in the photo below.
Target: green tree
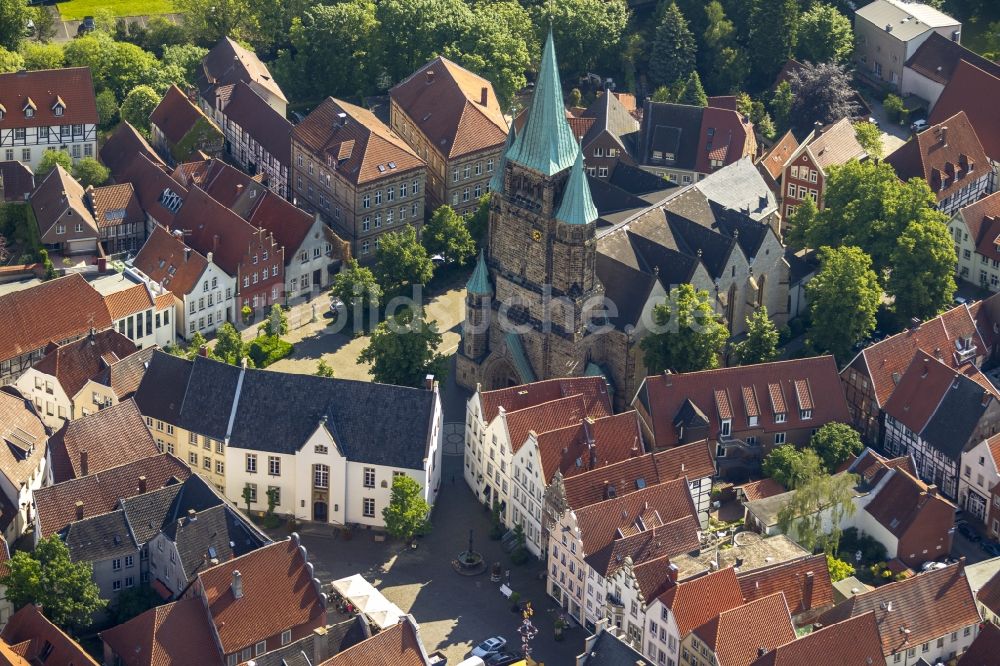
{"x": 895, "y": 107}
{"x": 408, "y": 512}
{"x": 64, "y": 590}
{"x": 688, "y": 335}
{"x": 403, "y": 350}
{"x": 50, "y": 158}
{"x": 208, "y": 21}
{"x": 721, "y": 60}
{"x": 575, "y": 98}
{"x": 673, "y": 48}
{"x": 448, "y": 234}
{"x": 14, "y": 16}
{"x": 835, "y": 443}
{"x": 276, "y": 323}
{"x": 248, "y": 495}
{"x": 229, "y": 346}
{"x": 479, "y": 221}
{"x": 792, "y": 467}
{"x": 107, "y": 109}
{"x": 870, "y": 137}
{"x": 781, "y": 105}
{"x": 825, "y": 35}
{"x": 10, "y": 61}
{"x": 694, "y": 93}
{"x": 334, "y": 48}
{"x": 498, "y": 45}
{"x": 89, "y": 171}
{"x": 120, "y": 66}
{"x": 133, "y": 601}
{"x": 843, "y": 296}
{"x": 45, "y": 24}
{"x": 401, "y": 260}
{"x": 991, "y": 41}
{"x": 662, "y": 94}
{"x": 586, "y": 32}
{"x": 761, "y": 342}
{"x": 272, "y": 499}
{"x": 765, "y": 126}
{"x": 411, "y": 32}
{"x": 356, "y": 287}
{"x": 822, "y": 499}
{"x": 773, "y": 34}
{"x": 138, "y": 105}
{"x": 186, "y": 58}
{"x": 922, "y": 278}
{"x": 839, "y": 569}
{"x": 42, "y": 56}
{"x": 323, "y": 369}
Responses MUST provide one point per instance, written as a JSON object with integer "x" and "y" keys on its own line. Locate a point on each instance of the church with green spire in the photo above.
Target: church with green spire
{"x": 574, "y": 264}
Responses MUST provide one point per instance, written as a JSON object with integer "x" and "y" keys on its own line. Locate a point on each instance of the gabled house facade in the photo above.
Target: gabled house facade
{"x": 976, "y": 229}
{"x": 65, "y": 224}
{"x": 258, "y": 138}
{"x": 50, "y": 109}
{"x": 980, "y": 474}
{"x": 804, "y": 173}
{"x": 612, "y": 137}
{"x": 226, "y": 65}
{"x": 23, "y": 462}
{"x": 119, "y": 217}
{"x": 452, "y": 119}
{"x": 180, "y": 129}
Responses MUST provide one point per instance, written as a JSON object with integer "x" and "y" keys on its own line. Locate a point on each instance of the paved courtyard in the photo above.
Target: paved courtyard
{"x": 454, "y": 612}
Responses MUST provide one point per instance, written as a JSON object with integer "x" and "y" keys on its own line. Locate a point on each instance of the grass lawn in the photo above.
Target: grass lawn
{"x": 75, "y": 10}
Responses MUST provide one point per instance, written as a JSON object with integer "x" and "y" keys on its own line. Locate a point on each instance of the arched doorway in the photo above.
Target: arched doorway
{"x": 320, "y": 514}
{"x": 500, "y": 373}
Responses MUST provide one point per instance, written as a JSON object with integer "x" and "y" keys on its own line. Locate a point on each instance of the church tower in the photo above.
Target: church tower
{"x": 542, "y": 250}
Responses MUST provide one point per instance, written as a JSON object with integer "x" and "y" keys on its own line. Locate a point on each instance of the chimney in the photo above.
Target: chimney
{"x": 807, "y": 590}
{"x": 818, "y": 127}
{"x": 914, "y": 323}
{"x": 142, "y": 484}
{"x": 84, "y": 464}
{"x": 429, "y": 74}
{"x": 672, "y": 572}
{"x": 484, "y": 96}
{"x": 429, "y": 382}
{"x": 932, "y": 489}
{"x": 761, "y": 652}
{"x": 237, "y": 585}
{"x": 209, "y": 256}
{"x": 203, "y": 351}
{"x": 341, "y": 120}
{"x": 944, "y": 135}
{"x": 187, "y": 253}
{"x": 215, "y": 243}
{"x": 79, "y": 510}
{"x": 192, "y": 515}
{"x": 239, "y": 188}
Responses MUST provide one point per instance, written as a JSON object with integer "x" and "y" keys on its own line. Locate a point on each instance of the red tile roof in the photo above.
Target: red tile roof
{"x": 13, "y": 655}
{"x": 982, "y": 219}
{"x": 947, "y": 155}
{"x": 920, "y": 518}
{"x": 853, "y": 642}
{"x": 984, "y": 650}
{"x": 692, "y": 461}
{"x": 259, "y": 119}
{"x": 100, "y": 492}
{"x": 58, "y": 193}
{"x": 72, "y": 86}
{"x": 278, "y": 594}
{"x": 176, "y": 633}
{"x": 375, "y": 150}
{"x": 650, "y": 550}
{"x": 71, "y": 306}
{"x": 805, "y": 583}
{"x": 919, "y": 391}
{"x": 594, "y": 389}
{"x": 17, "y": 181}
{"x": 731, "y": 138}
{"x": 23, "y": 435}
{"x": 989, "y": 594}
{"x": 662, "y": 396}
{"x": 165, "y": 259}
{"x": 396, "y": 646}
{"x": 176, "y": 115}
{"x": 151, "y": 184}
{"x": 568, "y": 450}
{"x": 835, "y": 144}
{"x": 736, "y": 635}
{"x": 977, "y": 93}
{"x": 888, "y": 359}
{"x": 28, "y": 624}
{"x": 111, "y": 437}
{"x": 871, "y": 467}
{"x": 229, "y": 63}
{"x": 697, "y": 600}
{"x": 756, "y": 490}
{"x": 75, "y": 363}
{"x": 776, "y": 159}
{"x": 116, "y": 204}
{"x": 542, "y": 418}
{"x": 121, "y": 148}
{"x": 125, "y": 302}
{"x": 604, "y": 523}
{"x": 446, "y": 103}
{"x": 929, "y": 605}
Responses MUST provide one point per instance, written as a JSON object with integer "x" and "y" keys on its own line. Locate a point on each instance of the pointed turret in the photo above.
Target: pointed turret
{"x": 545, "y": 143}
{"x": 496, "y": 182}
{"x": 479, "y": 283}
{"x": 577, "y": 206}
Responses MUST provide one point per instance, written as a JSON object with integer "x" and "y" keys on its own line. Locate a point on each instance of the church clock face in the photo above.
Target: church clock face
{"x": 536, "y": 235}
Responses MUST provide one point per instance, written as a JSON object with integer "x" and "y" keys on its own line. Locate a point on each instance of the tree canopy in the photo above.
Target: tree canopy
{"x": 791, "y": 467}
{"x": 761, "y": 342}
{"x": 50, "y": 158}
{"x": 834, "y": 443}
{"x": 47, "y": 577}
{"x": 447, "y": 234}
{"x": 138, "y": 105}
{"x": 14, "y": 16}
{"x": 870, "y": 137}
{"x": 688, "y": 335}
{"x": 773, "y": 35}
{"x": 586, "y": 32}
{"x": 89, "y": 172}
{"x": 825, "y": 35}
{"x": 402, "y": 261}
{"x": 814, "y": 515}
{"x": 356, "y": 286}
{"x": 403, "y": 350}
{"x": 407, "y": 512}
{"x": 822, "y": 93}
{"x": 843, "y": 297}
{"x": 922, "y": 278}
{"x": 673, "y": 49}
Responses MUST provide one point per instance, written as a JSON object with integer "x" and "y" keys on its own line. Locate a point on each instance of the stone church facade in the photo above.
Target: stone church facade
{"x": 573, "y": 268}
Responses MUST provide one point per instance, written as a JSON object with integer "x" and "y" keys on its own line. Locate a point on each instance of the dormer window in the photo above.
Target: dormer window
{"x": 29, "y": 108}
{"x": 726, "y": 428}
{"x": 58, "y": 110}
{"x": 805, "y": 414}
{"x": 779, "y": 417}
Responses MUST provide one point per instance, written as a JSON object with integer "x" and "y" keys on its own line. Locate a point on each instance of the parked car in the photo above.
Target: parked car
{"x": 87, "y": 25}
{"x": 489, "y": 647}
{"x": 932, "y": 566}
{"x": 966, "y": 530}
{"x": 992, "y": 548}
{"x": 959, "y": 300}
{"x": 502, "y": 659}
{"x": 918, "y": 126}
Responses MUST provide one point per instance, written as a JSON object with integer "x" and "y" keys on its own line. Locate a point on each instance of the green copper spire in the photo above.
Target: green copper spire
{"x": 479, "y": 283}
{"x": 496, "y": 182}
{"x": 577, "y": 206}
{"x": 545, "y": 143}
